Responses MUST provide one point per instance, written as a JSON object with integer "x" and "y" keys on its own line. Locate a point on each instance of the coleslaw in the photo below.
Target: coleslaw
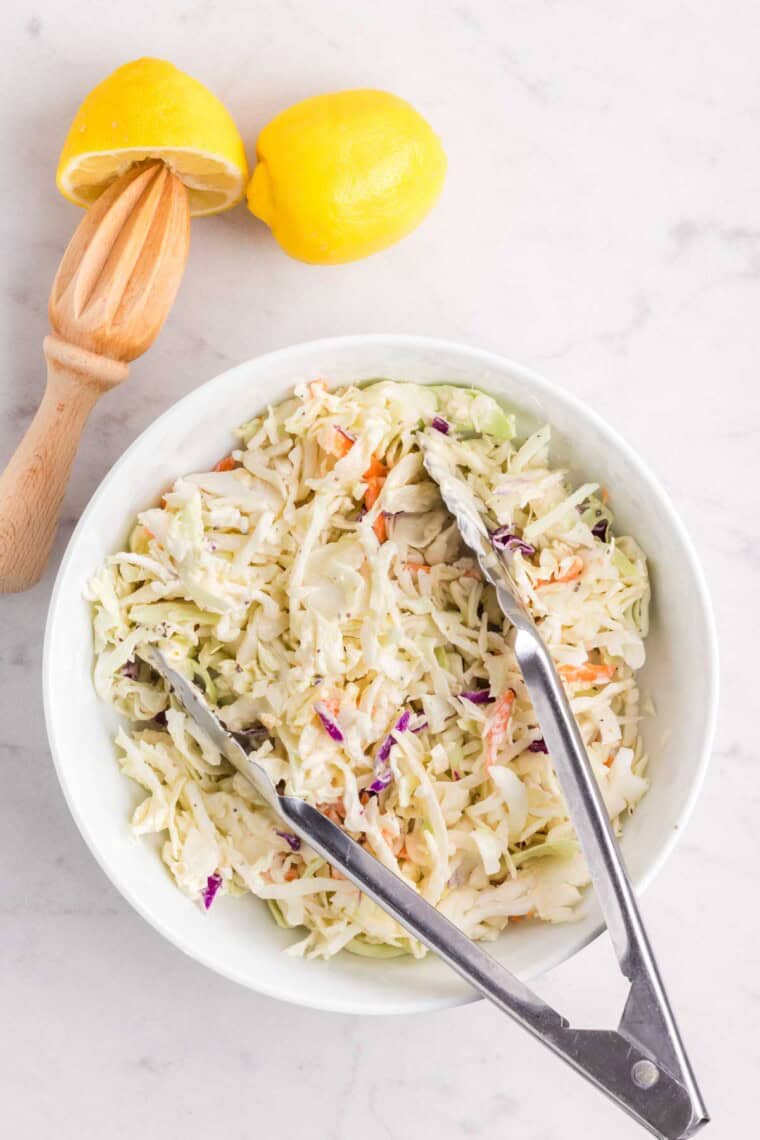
{"x": 316, "y": 588}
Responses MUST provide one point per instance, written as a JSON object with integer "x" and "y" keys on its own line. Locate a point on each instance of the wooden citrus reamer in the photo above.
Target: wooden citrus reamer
{"x": 112, "y": 293}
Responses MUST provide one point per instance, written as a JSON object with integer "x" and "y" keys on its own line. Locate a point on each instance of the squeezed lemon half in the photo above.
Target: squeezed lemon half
{"x": 150, "y": 109}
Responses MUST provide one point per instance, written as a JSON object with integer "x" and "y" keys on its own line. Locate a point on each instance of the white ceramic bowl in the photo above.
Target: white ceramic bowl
{"x": 238, "y": 937}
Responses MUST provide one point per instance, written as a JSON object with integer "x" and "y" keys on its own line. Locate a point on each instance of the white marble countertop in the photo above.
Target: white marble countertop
{"x": 600, "y": 223}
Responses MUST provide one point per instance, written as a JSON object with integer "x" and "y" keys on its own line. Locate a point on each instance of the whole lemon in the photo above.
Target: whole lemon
{"x": 342, "y": 176}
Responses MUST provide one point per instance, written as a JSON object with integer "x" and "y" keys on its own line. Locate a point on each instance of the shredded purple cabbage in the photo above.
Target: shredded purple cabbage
{"x": 505, "y": 539}
{"x": 131, "y": 669}
{"x": 420, "y": 727}
{"x": 538, "y": 745}
{"x": 477, "y": 696}
{"x": 293, "y": 842}
{"x": 441, "y": 425}
{"x": 329, "y": 724}
{"x": 346, "y": 434}
{"x": 213, "y": 883}
{"x": 401, "y": 726}
{"x": 381, "y": 782}
{"x": 383, "y": 770}
{"x": 601, "y": 529}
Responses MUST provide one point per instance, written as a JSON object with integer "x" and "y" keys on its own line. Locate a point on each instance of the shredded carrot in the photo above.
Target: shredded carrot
{"x": 335, "y": 812}
{"x": 417, "y": 567}
{"x": 340, "y": 443}
{"x": 332, "y": 704}
{"x": 374, "y": 487}
{"x": 472, "y": 573}
{"x": 364, "y": 798}
{"x": 376, "y": 470}
{"x": 374, "y": 477}
{"x": 605, "y": 496}
{"x": 372, "y": 494}
{"x": 497, "y": 726}
{"x": 380, "y": 528}
{"x": 609, "y": 761}
{"x": 587, "y": 672}
{"x": 149, "y": 533}
{"x": 343, "y": 444}
{"x": 575, "y": 571}
{"x": 291, "y": 874}
{"x": 336, "y": 874}
{"x": 315, "y": 387}
{"x": 226, "y": 464}
{"x": 164, "y": 501}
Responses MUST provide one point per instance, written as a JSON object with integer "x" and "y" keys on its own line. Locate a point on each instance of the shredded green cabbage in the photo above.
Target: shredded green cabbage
{"x": 319, "y": 567}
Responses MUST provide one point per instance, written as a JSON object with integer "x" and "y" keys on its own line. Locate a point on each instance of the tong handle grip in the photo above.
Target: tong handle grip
{"x": 609, "y": 1060}
{"x": 648, "y": 1021}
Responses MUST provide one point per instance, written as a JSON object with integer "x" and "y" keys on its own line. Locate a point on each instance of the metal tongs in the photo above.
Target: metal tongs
{"x": 642, "y": 1065}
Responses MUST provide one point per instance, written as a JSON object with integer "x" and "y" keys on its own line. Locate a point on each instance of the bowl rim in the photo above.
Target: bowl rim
{"x": 479, "y": 357}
